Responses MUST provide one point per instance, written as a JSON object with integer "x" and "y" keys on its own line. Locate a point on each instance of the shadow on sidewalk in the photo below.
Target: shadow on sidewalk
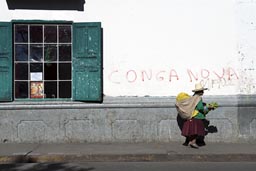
{"x": 28, "y": 163}
{"x": 42, "y": 167}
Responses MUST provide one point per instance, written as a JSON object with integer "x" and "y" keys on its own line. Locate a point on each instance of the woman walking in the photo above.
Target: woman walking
{"x": 193, "y": 126}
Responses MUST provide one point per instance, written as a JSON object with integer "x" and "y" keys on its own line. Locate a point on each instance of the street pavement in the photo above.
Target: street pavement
{"x": 126, "y": 152}
{"x": 131, "y": 166}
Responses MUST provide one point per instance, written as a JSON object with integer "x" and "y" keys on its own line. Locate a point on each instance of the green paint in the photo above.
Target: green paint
{"x": 87, "y": 62}
{"x": 5, "y": 61}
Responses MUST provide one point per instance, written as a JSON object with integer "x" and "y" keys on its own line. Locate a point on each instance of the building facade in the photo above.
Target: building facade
{"x": 109, "y": 71}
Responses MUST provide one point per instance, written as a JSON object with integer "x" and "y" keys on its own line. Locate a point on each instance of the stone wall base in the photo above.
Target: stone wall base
{"x": 122, "y": 119}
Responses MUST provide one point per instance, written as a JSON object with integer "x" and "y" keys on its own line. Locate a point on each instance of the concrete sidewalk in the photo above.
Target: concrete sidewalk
{"x": 217, "y": 152}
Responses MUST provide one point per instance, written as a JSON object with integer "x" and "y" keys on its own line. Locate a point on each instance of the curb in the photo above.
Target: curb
{"x": 128, "y": 158}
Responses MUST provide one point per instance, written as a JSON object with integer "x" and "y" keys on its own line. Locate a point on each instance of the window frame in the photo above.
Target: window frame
{"x": 29, "y": 62}
{"x": 93, "y": 71}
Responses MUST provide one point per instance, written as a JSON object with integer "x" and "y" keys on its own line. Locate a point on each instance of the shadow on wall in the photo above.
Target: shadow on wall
{"x": 46, "y": 4}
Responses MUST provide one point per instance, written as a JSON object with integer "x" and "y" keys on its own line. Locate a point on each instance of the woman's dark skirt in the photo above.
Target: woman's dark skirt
{"x": 193, "y": 127}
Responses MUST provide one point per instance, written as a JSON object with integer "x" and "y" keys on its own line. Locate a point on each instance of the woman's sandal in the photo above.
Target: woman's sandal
{"x": 194, "y": 146}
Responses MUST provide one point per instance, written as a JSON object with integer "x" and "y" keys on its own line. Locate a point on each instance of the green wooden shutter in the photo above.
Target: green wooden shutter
{"x": 5, "y": 61}
{"x": 87, "y": 62}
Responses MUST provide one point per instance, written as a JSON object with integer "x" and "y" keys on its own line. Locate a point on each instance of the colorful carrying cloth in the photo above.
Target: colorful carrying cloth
{"x": 185, "y": 105}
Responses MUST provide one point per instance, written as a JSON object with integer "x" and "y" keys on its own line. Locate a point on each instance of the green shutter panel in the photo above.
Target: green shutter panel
{"x": 5, "y": 61}
{"x": 87, "y": 62}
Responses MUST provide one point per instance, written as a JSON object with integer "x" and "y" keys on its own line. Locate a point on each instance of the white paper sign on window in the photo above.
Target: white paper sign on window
{"x": 36, "y": 76}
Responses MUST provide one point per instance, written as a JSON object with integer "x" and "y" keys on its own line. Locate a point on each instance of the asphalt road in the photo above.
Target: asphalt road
{"x": 132, "y": 166}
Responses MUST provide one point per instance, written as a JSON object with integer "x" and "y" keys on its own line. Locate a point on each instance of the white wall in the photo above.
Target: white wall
{"x": 159, "y": 48}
